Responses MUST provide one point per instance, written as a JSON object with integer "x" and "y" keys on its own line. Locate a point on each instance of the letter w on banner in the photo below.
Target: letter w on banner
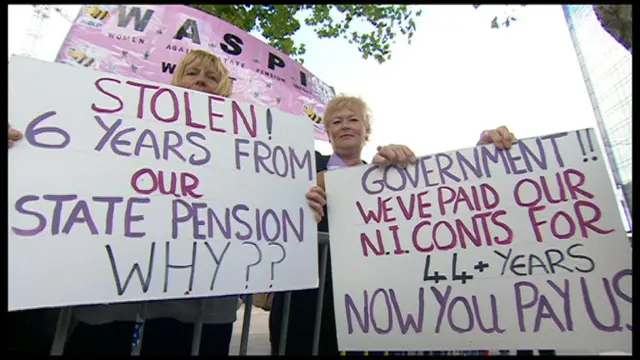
{"x": 148, "y": 41}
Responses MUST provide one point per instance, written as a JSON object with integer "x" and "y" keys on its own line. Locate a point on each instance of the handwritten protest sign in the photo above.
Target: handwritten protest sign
{"x": 148, "y": 41}
{"x": 482, "y": 249}
{"x": 126, "y": 190}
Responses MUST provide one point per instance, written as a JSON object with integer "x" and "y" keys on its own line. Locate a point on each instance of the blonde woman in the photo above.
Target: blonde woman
{"x": 347, "y": 120}
{"x": 168, "y": 330}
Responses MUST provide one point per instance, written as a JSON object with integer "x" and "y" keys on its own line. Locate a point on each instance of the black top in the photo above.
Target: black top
{"x": 321, "y": 162}
{"x": 321, "y": 165}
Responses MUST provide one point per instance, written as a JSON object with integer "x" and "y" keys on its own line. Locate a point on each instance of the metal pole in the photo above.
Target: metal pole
{"x": 246, "y": 325}
{"x": 282, "y": 347}
{"x": 62, "y": 331}
{"x": 197, "y": 329}
{"x": 318, "y": 323}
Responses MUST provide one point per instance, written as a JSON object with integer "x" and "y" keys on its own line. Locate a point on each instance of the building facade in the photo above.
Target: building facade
{"x": 606, "y": 69}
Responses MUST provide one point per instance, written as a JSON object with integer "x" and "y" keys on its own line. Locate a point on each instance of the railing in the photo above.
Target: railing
{"x": 65, "y": 320}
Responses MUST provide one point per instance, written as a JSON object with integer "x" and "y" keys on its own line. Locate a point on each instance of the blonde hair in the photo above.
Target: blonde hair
{"x": 345, "y": 101}
{"x": 208, "y": 60}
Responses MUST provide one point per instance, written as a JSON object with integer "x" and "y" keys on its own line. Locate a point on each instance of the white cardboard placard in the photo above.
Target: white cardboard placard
{"x": 543, "y": 263}
{"x": 228, "y": 214}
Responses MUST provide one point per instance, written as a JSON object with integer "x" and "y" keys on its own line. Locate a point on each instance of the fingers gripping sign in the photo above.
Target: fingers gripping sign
{"x": 394, "y": 155}
{"x": 500, "y": 136}
{"x": 14, "y": 135}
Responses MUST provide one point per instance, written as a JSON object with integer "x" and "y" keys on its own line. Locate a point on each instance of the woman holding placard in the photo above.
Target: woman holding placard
{"x": 169, "y": 325}
{"x": 348, "y": 125}
{"x": 347, "y": 121}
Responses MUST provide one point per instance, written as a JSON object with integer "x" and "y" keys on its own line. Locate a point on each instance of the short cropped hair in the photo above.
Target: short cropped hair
{"x": 345, "y": 101}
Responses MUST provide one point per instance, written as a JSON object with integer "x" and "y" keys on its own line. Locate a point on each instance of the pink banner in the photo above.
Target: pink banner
{"x": 148, "y": 42}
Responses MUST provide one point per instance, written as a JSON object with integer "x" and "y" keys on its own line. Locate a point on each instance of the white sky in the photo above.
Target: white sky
{"x": 457, "y": 78}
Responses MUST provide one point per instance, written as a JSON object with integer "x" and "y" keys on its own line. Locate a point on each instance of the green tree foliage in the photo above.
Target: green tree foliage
{"x": 497, "y": 21}
{"x": 277, "y": 23}
{"x": 615, "y": 19}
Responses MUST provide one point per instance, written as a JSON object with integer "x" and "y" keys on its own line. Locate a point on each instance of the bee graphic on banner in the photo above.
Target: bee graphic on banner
{"x": 95, "y": 16}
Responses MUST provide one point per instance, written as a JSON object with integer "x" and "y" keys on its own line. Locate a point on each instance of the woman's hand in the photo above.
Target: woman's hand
{"x": 501, "y": 137}
{"x": 14, "y": 135}
{"x": 317, "y": 199}
{"x": 394, "y": 155}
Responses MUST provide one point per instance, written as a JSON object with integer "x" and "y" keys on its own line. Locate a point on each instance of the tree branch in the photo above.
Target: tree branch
{"x": 617, "y": 20}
